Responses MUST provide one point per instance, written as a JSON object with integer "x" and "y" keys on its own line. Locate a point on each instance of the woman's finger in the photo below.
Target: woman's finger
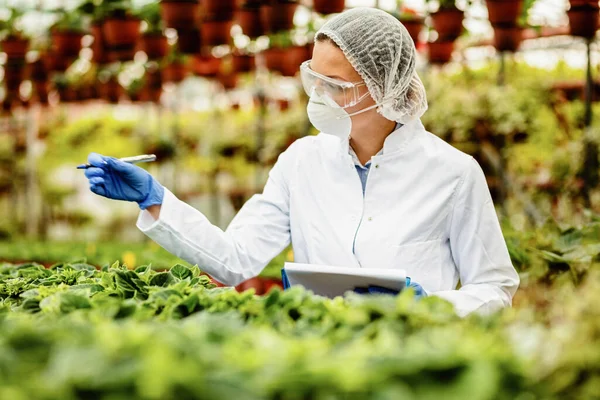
{"x": 98, "y": 189}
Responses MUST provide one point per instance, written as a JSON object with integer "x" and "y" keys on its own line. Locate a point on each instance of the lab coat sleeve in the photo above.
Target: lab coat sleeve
{"x": 259, "y": 232}
{"x": 488, "y": 278}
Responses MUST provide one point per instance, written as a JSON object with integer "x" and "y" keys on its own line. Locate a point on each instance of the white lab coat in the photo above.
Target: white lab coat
{"x": 426, "y": 209}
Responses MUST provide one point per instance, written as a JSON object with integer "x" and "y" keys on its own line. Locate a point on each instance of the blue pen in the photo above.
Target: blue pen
{"x": 131, "y": 160}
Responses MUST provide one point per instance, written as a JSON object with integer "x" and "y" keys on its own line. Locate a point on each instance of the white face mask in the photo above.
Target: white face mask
{"x": 329, "y": 117}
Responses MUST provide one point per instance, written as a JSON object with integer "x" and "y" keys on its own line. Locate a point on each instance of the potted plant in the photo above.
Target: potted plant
{"x": 248, "y": 18}
{"x": 412, "y": 21}
{"x": 14, "y": 71}
{"x": 440, "y": 51}
{"x": 65, "y": 90}
{"x": 447, "y": 20}
{"x": 283, "y": 55}
{"x": 109, "y": 87}
{"x": 37, "y": 71}
{"x": 67, "y": 32}
{"x": 180, "y": 14}
{"x": 216, "y": 32}
{"x": 243, "y": 62}
{"x": 278, "y": 15}
{"x": 227, "y": 75}
{"x": 96, "y": 14}
{"x": 121, "y": 28}
{"x": 583, "y": 19}
{"x": 12, "y": 40}
{"x": 205, "y": 65}
{"x": 329, "y": 6}
{"x": 175, "y": 69}
{"x": 189, "y": 41}
{"x": 508, "y": 29}
{"x": 153, "y": 42}
{"x": 221, "y": 10}
{"x": 501, "y": 12}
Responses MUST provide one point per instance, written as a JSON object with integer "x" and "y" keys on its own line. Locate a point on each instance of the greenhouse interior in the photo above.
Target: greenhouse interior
{"x": 239, "y": 259}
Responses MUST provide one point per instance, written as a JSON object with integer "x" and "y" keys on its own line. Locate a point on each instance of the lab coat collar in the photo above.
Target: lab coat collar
{"x": 395, "y": 141}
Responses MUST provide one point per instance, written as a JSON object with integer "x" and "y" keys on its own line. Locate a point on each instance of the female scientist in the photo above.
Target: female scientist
{"x": 373, "y": 190}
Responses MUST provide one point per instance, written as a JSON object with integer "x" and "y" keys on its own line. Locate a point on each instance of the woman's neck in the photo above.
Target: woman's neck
{"x": 368, "y": 136}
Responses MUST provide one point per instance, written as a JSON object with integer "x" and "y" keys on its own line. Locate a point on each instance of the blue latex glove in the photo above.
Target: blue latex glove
{"x": 119, "y": 180}
{"x": 419, "y": 291}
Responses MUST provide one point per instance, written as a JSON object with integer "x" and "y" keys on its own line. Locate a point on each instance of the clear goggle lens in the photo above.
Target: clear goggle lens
{"x": 344, "y": 94}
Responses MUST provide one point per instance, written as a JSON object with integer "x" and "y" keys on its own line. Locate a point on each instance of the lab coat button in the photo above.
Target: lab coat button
{"x": 376, "y": 165}
{"x": 370, "y": 219}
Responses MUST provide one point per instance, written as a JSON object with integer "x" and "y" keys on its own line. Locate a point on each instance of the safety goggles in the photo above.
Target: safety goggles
{"x": 344, "y": 94}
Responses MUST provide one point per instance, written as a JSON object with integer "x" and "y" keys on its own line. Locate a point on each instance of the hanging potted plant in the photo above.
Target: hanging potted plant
{"x": 205, "y": 65}
{"x": 152, "y": 88}
{"x": 152, "y": 42}
{"x": 411, "y": 20}
{"x": 189, "y": 41}
{"x": 175, "y": 69}
{"x": 508, "y": 35}
{"x": 222, "y": 10}
{"x": 180, "y": 14}
{"x": 12, "y": 40}
{"x": 37, "y": 71}
{"x": 583, "y": 19}
{"x": 14, "y": 72}
{"x": 67, "y": 32}
{"x": 440, "y": 51}
{"x": 121, "y": 28}
{"x": 65, "y": 90}
{"x": 329, "y": 6}
{"x": 283, "y": 55}
{"x": 243, "y": 62}
{"x": 447, "y": 20}
{"x": 248, "y": 18}
{"x": 502, "y": 12}
{"x": 96, "y": 14}
{"x": 215, "y": 32}
{"x": 278, "y": 15}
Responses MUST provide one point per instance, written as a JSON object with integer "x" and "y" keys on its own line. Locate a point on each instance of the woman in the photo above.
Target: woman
{"x": 372, "y": 190}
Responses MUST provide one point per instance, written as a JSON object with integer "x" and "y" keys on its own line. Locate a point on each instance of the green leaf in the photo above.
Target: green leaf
{"x": 161, "y": 279}
{"x": 180, "y": 271}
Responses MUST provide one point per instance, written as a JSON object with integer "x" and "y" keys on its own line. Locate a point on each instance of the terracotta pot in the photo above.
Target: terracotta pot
{"x": 252, "y": 283}
{"x": 222, "y": 10}
{"x": 98, "y": 45}
{"x": 38, "y": 72}
{"x": 14, "y": 72}
{"x": 66, "y": 44}
{"x": 189, "y": 41}
{"x": 150, "y": 95}
{"x": 180, "y": 14}
{"x": 215, "y": 33}
{"x": 414, "y": 28}
{"x": 111, "y": 91}
{"x": 575, "y": 3}
{"x": 507, "y": 38}
{"x": 154, "y": 79}
{"x": 15, "y": 47}
{"x": 207, "y": 66}
{"x": 270, "y": 284}
{"x": 501, "y": 12}
{"x": 440, "y": 52}
{"x": 53, "y": 62}
{"x": 41, "y": 90}
{"x": 229, "y": 81}
{"x": 174, "y": 72}
{"x": 120, "y": 54}
{"x": 155, "y": 45}
{"x": 273, "y": 58}
{"x": 448, "y": 23}
{"x": 583, "y": 21}
{"x": 329, "y": 6}
{"x": 291, "y": 60}
{"x": 121, "y": 32}
{"x": 278, "y": 17}
{"x": 250, "y": 22}
{"x": 244, "y": 63}
{"x": 67, "y": 94}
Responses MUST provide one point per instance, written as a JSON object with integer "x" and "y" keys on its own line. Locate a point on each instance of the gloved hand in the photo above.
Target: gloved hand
{"x": 119, "y": 180}
{"x": 418, "y": 289}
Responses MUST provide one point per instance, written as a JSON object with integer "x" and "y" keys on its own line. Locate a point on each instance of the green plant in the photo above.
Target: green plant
{"x": 282, "y": 40}
{"x": 12, "y": 27}
{"x": 150, "y": 13}
{"x": 70, "y": 21}
{"x": 99, "y": 10}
